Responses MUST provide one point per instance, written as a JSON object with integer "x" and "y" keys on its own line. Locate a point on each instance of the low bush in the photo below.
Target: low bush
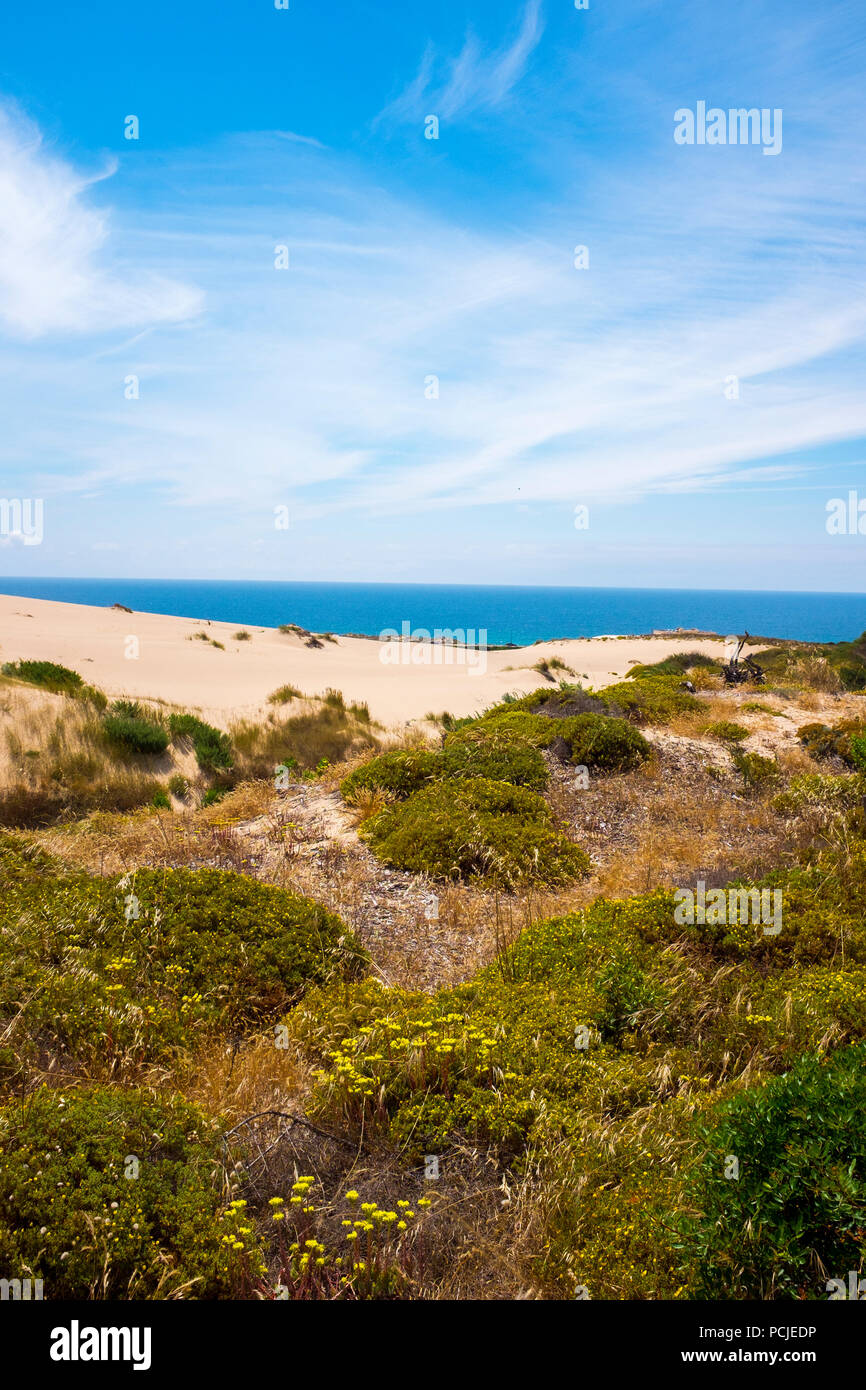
{"x": 135, "y": 735}
{"x": 651, "y": 699}
{"x": 794, "y": 1217}
{"x": 213, "y": 749}
{"x": 593, "y": 739}
{"x": 554, "y": 704}
{"x": 475, "y": 828}
{"x": 506, "y": 721}
{"x": 493, "y": 752}
{"x": 20, "y": 860}
{"x": 677, "y": 664}
{"x": 399, "y": 772}
{"x": 495, "y": 1060}
{"x": 110, "y": 1194}
{"x": 214, "y": 795}
{"x": 603, "y": 744}
{"x": 727, "y": 731}
{"x": 756, "y": 771}
{"x": 45, "y": 674}
{"x": 284, "y": 694}
{"x": 799, "y": 1010}
{"x": 114, "y": 972}
{"x": 497, "y": 755}
{"x": 831, "y": 740}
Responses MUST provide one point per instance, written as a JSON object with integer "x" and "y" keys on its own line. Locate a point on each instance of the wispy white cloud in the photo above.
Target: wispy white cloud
{"x": 474, "y": 81}
{"x": 557, "y": 385}
{"x": 57, "y": 272}
{"x": 308, "y": 385}
{"x": 296, "y": 139}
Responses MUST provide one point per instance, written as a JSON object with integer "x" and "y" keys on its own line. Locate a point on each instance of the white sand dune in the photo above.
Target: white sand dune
{"x": 147, "y": 654}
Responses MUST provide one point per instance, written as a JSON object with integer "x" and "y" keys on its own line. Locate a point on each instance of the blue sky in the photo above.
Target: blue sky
{"x": 410, "y": 258}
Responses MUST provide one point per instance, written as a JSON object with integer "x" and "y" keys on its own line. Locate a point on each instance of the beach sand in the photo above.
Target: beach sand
{"x": 172, "y": 665}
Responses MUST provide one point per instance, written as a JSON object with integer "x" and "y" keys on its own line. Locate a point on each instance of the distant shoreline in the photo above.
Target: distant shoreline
{"x": 228, "y": 670}
{"x": 506, "y": 616}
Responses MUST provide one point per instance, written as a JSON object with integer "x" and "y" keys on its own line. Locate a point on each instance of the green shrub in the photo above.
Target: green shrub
{"x": 513, "y": 723}
{"x": 213, "y": 749}
{"x": 858, "y": 752}
{"x": 47, "y": 675}
{"x": 243, "y": 636}
{"x": 828, "y": 741}
{"x": 131, "y": 709}
{"x": 795, "y": 1215}
{"x": 135, "y": 735}
{"x": 160, "y": 801}
{"x": 475, "y": 828}
{"x": 727, "y": 731}
{"x": 474, "y": 752}
{"x": 650, "y": 699}
{"x": 555, "y": 704}
{"x": 595, "y": 740}
{"x": 114, "y": 972}
{"x": 603, "y": 744}
{"x": 178, "y": 786}
{"x": 495, "y": 1060}
{"x": 400, "y": 772}
{"x": 799, "y": 1010}
{"x": 546, "y": 667}
{"x": 73, "y": 1214}
{"x": 675, "y": 665}
{"x": 756, "y": 771}
{"x": 496, "y": 753}
{"x": 822, "y": 921}
{"x": 853, "y": 677}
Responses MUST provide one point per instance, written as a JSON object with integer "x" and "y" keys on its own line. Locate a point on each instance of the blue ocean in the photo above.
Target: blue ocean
{"x": 508, "y": 614}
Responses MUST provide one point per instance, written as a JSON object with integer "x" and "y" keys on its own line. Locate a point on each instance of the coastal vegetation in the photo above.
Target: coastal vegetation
{"x": 71, "y": 752}
{"x": 295, "y": 1007}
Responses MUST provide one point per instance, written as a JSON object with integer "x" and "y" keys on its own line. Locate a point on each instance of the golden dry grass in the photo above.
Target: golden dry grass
{"x": 244, "y": 1078}
{"x": 55, "y": 760}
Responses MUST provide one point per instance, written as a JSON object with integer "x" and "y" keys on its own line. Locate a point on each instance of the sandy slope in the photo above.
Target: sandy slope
{"x": 225, "y": 684}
